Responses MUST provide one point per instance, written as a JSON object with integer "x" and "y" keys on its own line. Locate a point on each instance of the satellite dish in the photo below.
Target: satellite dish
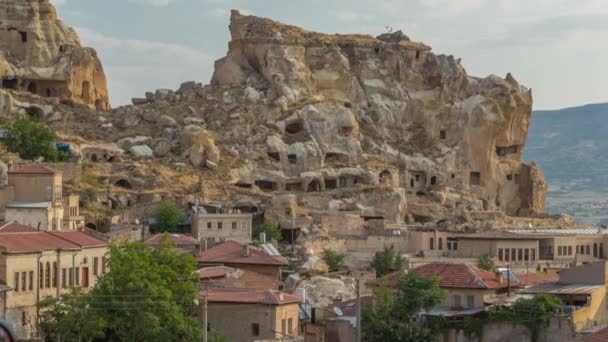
{"x": 338, "y": 312}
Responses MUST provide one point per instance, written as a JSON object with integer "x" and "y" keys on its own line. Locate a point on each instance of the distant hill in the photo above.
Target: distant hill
{"x": 571, "y": 146}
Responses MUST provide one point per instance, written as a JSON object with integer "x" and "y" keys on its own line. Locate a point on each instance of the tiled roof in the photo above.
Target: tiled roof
{"x": 462, "y": 276}
{"x": 598, "y": 336}
{"x": 178, "y": 239}
{"x": 390, "y": 280}
{"x": 249, "y": 296}
{"x": 33, "y": 242}
{"x": 230, "y": 252}
{"x": 214, "y": 272}
{"x": 35, "y": 169}
{"x": 14, "y": 227}
{"x": 79, "y": 238}
{"x": 538, "y": 278}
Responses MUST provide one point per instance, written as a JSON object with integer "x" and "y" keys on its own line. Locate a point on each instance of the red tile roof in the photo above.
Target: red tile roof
{"x": 598, "y": 336}
{"x": 35, "y": 169}
{"x": 214, "y": 272}
{"x": 249, "y": 296}
{"x": 390, "y": 280}
{"x": 178, "y": 239}
{"x": 230, "y": 252}
{"x": 79, "y": 238}
{"x": 34, "y": 241}
{"x": 14, "y": 227}
{"x": 462, "y": 276}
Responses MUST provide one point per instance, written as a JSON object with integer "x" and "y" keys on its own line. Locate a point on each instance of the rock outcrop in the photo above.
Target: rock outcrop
{"x": 40, "y": 55}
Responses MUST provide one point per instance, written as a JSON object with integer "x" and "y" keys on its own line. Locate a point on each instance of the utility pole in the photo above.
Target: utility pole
{"x": 358, "y": 288}
{"x": 205, "y": 324}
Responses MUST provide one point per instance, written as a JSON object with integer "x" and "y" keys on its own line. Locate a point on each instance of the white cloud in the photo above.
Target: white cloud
{"x": 155, "y": 3}
{"x": 133, "y": 66}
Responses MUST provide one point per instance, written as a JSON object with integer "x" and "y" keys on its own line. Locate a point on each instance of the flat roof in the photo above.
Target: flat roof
{"x": 29, "y": 205}
{"x": 496, "y": 235}
{"x": 557, "y": 288}
{"x": 558, "y": 231}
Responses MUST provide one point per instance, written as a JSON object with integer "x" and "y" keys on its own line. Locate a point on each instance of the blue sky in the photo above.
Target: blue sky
{"x": 556, "y": 47}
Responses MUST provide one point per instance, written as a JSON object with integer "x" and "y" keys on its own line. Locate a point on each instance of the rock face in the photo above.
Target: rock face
{"x": 41, "y": 55}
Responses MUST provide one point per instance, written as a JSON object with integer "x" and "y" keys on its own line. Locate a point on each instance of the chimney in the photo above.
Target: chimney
{"x": 281, "y": 298}
{"x": 245, "y": 251}
{"x": 499, "y": 278}
{"x": 263, "y": 237}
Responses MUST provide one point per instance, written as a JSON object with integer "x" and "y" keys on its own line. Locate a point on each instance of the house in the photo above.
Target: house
{"x": 213, "y": 224}
{"x": 583, "y": 290}
{"x": 243, "y": 256}
{"x": 45, "y": 263}
{"x": 253, "y": 314}
{"x": 222, "y": 276}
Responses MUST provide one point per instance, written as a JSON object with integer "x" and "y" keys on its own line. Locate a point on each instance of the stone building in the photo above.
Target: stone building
{"x": 45, "y": 263}
{"x": 253, "y": 314}
{"x": 42, "y": 56}
{"x": 211, "y": 225}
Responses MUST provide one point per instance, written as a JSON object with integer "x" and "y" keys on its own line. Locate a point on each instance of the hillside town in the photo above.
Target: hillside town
{"x": 321, "y": 188}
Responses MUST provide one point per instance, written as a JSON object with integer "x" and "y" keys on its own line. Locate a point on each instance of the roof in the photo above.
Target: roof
{"x": 390, "y": 280}
{"x": 29, "y": 205}
{"x": 598, "y": 336}
{"x": 249, "y": 296}
{"x": 533, "y": 279}
{"x": 462, "y": 276}
{"x": 449, "y": 312}
{"x": 35, "y": 170}
{"x": 230, "y": 252}
{"x": 214, "y": 272}
{"x": 79, "y": 238}
{"x": 559, "y": 231}
{"x": 178, "y": 239}
{"x": 349, "y": 307}
{"x": 557, "y": 288}
{"x": 14, "y": 227}
{"x": 496, "y": 235}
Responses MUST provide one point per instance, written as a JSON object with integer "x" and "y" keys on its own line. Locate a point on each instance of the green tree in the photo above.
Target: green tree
{"x": 168, "y": 216}
{"x": 71, "y": 317}
{"x": 334, "y": 260}
{"x": 486, "y": 263}
{"x": 387, "y": 261}
{"x": 392, "y": 317}
{"x": 147, "y": 295}
{"x": 31, "y": 139}
{"x": 273, "y": 233}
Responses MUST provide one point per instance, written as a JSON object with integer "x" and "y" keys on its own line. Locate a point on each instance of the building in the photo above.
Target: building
{"x": 243, "y": 256}
{"x": 222, "y": 276}
{"x": 253, "y": 314}
{"x": 45, "y": 263}
{"x": 517, "y": 249}
{"x": 583, "y": 290}
{"x": 71, "y": 208}
{"x": 213, "y": 224}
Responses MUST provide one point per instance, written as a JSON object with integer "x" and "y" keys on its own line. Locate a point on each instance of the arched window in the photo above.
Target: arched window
{"x": 47, "y": 276}
{"x": 440, "y": 244}
{"x": 432, "y": 244}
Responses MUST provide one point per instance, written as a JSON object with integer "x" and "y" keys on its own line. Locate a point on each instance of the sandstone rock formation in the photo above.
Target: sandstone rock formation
{"x": 41, "y": 55}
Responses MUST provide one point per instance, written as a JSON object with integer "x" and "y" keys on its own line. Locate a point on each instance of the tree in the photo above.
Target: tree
{"x": 147, "y": 295}
{"x": 273, "y": 233}
{"x": 486, "y": 263}
{"x": 31, "y": 140}
{"x": 334, "y": 260}
{"x": 392, "y": 317}
{"x": 387, "y": 261}
{"x": 168, "y": 216}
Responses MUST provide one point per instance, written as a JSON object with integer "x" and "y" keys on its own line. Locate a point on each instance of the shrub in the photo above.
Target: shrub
{"x": 168, "y": 216}
{"x": 334, "y": 260}
{"x": 31, "y": 140}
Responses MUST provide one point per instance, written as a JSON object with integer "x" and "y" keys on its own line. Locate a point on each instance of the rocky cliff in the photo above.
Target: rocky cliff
{"x": 41, "y": 55}
{"x": 310, "y": 127}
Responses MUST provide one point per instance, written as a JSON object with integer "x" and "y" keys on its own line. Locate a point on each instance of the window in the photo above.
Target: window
{"x": 475, "y": 178}
{"x": 16, "y": 282}
{"x": 283, "y": 326}
{"x": 577, "y": 250}
{"x": 507, "y": 255}
{"x": 71, "y": 276}
{"x": 47, "y": 278}
{"x": 77, "y": 275}
{"x": 290, "y": 326}
{"x": 569, "y": 250}
{"x": 23, "y": 281}
{"x": 255, "y": 329}
{"x": 533, "y": 254}
{"x": 95, "y": 265}
{"x": 457, "y": 303}
{"x": 470, "y": 302}
{"x": 55, "y": 274}
{"x": 41, "y": 275}
{"x": 559, "y": 250}
{"x": 209, "y": 225}
{"x": 513, "y": 254}
{"x": 23, "y": 318}
{"x": 440, "y": 243}
{"x": 520, "y": 253}
{"x": 595, "y": 250}
{"x": 527, "y": 254}
{"x": 63, "y": 277}
{"x": 31, "y": 280}
{"x": 588, "y": 250}
{"x": 220, "y": 225}
{"x": 432, "y": 244}
{"x": 442, "y": 135}
{"x": 452, "y": 244}
{"x": 103, "y": 265}
{"x": 233, "y": 225}
{"x": 500, "y": 257}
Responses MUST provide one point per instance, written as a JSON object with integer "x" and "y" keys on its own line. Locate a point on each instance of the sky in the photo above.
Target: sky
{"x": 556, "y": 47}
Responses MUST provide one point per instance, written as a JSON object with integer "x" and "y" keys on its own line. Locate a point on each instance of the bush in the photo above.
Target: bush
{"x": 31, "y": 140}
{"x": 334, "y": 260}
{"x": 168, "y": 216}
{"x": 387, "y": 261}
{"x": 486, "y": 263}
{"x": 273, "y": 233}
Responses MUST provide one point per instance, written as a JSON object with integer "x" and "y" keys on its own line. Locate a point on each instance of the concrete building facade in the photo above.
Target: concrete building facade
{"x": 224, "y": 224}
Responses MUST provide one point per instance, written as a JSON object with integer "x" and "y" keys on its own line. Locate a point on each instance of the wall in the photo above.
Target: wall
{"x": 242, "y": 233}
{"x": 594, "y": 315}
{"x": 286, "y": 312}
{"x": 31, "y": 216}
{"x": 478, "y": 295}
{"x": 33, "y": 187}
{"x": 71, "y": 171}
{"x": 7, "y": 194}
{"x": 343, "y": 223}
{"x": 375, "y": 243}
